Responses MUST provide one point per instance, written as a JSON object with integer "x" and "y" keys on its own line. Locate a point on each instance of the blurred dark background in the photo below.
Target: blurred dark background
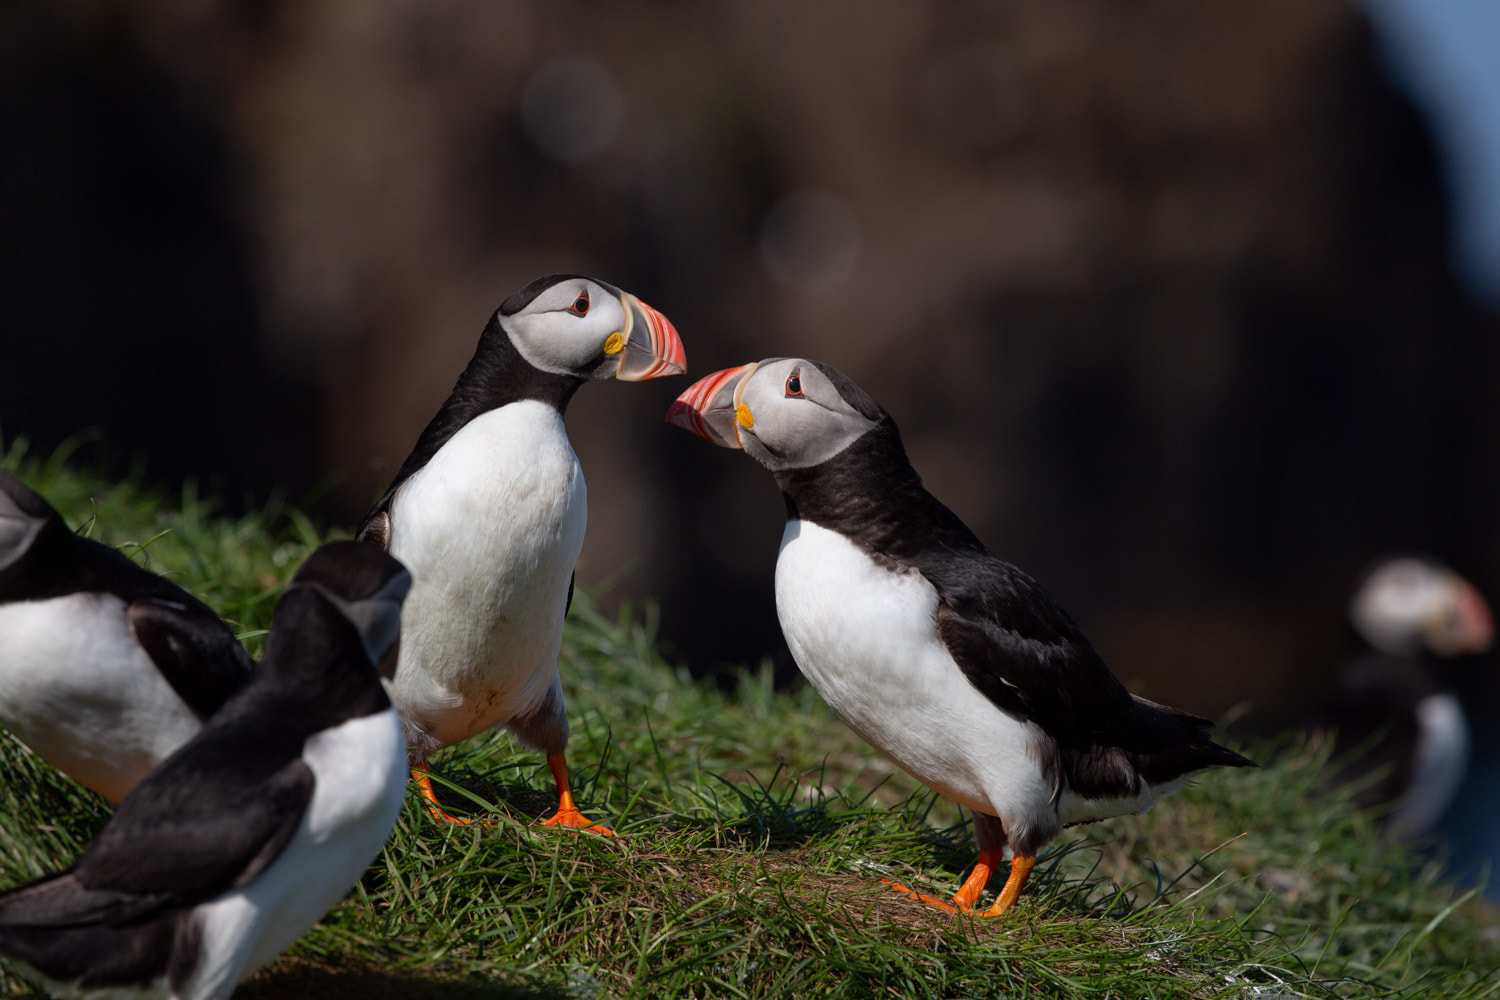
{"x": 1163, "y": 295}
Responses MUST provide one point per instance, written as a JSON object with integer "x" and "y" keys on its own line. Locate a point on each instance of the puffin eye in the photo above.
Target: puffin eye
{"x": 580, "y": 306}
{"x": 794, "y": 384}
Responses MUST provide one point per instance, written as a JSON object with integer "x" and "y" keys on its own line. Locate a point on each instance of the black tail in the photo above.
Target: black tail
{"x": 1166, "y": 743}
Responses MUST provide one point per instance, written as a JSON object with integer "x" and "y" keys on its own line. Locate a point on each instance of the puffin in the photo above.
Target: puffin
{"x": 949, "y": 660}
{"x": 105, "y": 667}
{"x": 488, "y": 513}
{"x": 1399, "y": 731}
{"x": 224, "y": 855}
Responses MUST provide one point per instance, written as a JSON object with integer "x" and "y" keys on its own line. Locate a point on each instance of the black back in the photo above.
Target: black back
{"x": 497, "y": 374}
{"x": 1013, "y": 641}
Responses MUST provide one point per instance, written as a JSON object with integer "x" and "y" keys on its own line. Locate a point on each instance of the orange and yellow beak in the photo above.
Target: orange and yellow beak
{"x": 711, "y": 407}
{"x": 1471, "y": 627}
{"x": 649, "y": 345}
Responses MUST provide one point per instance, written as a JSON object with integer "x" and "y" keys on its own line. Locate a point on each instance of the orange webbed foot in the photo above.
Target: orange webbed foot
{"x": 964, "y": 900}
{"x": 419, "y": 773}
{"x": 921, "y": 897}
{"x": 567, "y": 816}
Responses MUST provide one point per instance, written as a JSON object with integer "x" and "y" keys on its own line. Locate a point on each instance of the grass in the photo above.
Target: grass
{"x": 753, "y": 831}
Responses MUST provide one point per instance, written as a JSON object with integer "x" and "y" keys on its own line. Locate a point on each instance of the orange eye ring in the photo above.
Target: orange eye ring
{"x": 580, "y": 306}
{"x": 794, "y": 385}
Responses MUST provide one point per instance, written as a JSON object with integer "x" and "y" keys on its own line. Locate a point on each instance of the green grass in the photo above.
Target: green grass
{"x": 754, "y": 829}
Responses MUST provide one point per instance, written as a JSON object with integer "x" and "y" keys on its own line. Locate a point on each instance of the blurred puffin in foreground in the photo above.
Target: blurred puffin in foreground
{"x": 242, "y": 839}
{"x": 105, "y": 667}
{"x": 488, "y": 512}
{"x": 946, "y": 658}
{"x": 1399, "y": 729}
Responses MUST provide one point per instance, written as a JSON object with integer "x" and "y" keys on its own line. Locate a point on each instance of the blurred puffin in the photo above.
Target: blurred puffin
{"x": 946, "y": 658}
{"x": 105, "y": 668}
{"x": 488, "y": 512}
{"x": 1395, "y": 712}
{"x": 240, "y": 841}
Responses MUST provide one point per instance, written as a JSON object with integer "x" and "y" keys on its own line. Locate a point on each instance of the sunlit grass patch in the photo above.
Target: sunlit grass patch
{"x": 754, "y": 830}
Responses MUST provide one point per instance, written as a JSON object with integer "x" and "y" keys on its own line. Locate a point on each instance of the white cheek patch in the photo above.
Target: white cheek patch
{"x": 560, "y": 342}
{"x": 798, "y": 432}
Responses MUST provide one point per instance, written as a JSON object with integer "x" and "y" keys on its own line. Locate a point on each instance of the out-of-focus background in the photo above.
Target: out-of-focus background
{"x": 1189, "y": 309}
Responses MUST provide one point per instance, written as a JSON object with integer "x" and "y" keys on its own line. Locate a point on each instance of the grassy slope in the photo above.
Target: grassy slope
{"x": 754, "y": 829}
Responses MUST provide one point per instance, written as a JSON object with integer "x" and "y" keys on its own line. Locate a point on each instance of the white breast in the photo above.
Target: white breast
{"x": 360, "y": 772}
{"x": 490, "y": 529}
{"x": 866, "y": 638}
{"x": 1442, "y": 756}
{"x": 78, "y": 690}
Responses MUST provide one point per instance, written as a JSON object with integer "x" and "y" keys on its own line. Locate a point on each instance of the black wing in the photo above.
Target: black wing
{"x": 166, "y": 848}
{"x": 376, "y": 528}
{"x": 193, "y": 839}
{"x": 62, "y": 901}
{"x": 1023, "y": 652}
{"x": 1021, "y": 649}
{"x": 193, "y": 649}
{"x": 174, "y": 842}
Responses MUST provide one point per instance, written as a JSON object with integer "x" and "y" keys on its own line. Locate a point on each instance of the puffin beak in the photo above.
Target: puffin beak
{"x": 1474, "y": 629}
{"x": 710, "y": 407}
{"x": 651, "y": 347}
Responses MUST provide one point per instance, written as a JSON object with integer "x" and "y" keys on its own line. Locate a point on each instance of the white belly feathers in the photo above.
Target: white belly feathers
{"x": 866, "y": 638}
{"x": 490, "y": 529}
{"x": 77, "y": 689}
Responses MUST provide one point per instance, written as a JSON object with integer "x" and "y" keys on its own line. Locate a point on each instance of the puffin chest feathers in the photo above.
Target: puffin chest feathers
{"x": 491, "y": 529}
{"x": 866, "y": 638}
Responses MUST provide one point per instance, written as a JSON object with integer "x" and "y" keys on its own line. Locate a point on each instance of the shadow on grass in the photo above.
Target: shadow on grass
{"x": 294, "y": 980}
{"x": 788, "y": 813}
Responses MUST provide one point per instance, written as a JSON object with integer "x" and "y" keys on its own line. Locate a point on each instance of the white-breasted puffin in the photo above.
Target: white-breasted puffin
{"x": 946, "y": 658}
{"x": 105, "y": 667}
{"x": 1395, "y": 711}
{"x": 223, "y": 856}
{"x": 488, "y": 513}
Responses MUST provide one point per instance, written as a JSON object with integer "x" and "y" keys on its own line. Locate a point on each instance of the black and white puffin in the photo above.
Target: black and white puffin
{"x": 1395, "y": 712}
{"x": 105, "y": 668}
{"x": 223, "y": 856}
{"x": 948, "y": 659}
{"x": 488, "y": 512}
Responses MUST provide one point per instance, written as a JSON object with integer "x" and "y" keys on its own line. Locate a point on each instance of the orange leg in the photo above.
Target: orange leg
{"x": 1020, "y": 868}
{"x": 437, "y": 812}
{"x": 567, "y": 814}
{"x": 963, "y": 900}
{"x": 968, "y": 893}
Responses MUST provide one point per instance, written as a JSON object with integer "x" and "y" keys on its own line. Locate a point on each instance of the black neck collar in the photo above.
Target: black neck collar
{"x": 497, "y": 374}
{"x": 870, "y": 493}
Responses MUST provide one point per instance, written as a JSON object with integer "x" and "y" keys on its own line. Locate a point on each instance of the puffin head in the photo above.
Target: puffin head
{"x": 786, "y": 413}
{"x": 567, "y": 324}
{"x": 23, "y": 517}
{"x": 1408, "y": 606}
{"x": 364, "y": 584}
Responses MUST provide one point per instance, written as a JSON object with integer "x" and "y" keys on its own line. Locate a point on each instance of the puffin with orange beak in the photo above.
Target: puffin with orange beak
{"x": 488, "y": 514}
{"x": 949, "y": 660}
{"x": 1400, "y": 735}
